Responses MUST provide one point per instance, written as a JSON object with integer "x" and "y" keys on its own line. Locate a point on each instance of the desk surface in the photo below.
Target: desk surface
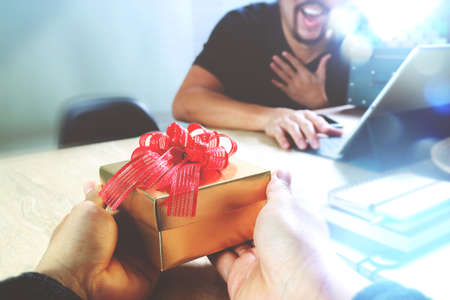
{"x": 37, "y": 190}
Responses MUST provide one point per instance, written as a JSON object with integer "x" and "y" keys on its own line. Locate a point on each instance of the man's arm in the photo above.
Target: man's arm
{"x": 201, "y": 99}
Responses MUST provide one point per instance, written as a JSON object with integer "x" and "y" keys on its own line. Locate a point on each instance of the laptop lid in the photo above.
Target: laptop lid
{"x": 414, "y": 104}
{"x": 366, "y": 80}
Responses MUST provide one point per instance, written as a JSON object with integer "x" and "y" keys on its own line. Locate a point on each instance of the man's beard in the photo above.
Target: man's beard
{"x": 309, "y": 42}
{"x": 300, "y": 39}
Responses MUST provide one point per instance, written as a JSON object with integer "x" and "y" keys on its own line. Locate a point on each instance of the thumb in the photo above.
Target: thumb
{"x": 91, "y": 189}
{"x": 279, "y": 187}
{"x": 284, "y": 176}
{"x": 89, "y": 186}
{"x": 321, "y": 72}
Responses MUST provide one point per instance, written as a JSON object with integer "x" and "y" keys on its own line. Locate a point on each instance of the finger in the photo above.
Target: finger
{"x": 308, "y": 130}
{"x": 223, "y": 261}
{"x": 280, "y": 72}
{"x": 284, "y": 176}
{"x": 89, "y": 186}
{"x": 319, "y": 122}
{"x": 278, "y": 189}
{"x": 298, "y": 65}
{"x": 321, "y": 125}
{"x": 322, "y": 68}
{"x": 332, "y": 131}
{"x": 294, "y": 131}
{"x": 280, "y": 137}
{"x": 93, "y": 196}
{"x": 310, "y": 133}
{"x": 280, "y": 85}
{"x": 241, "y": 249}
{"x": 287, "y": 69}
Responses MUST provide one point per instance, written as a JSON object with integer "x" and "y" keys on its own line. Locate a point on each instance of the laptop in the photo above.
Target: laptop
{"x": 413, "y": 109}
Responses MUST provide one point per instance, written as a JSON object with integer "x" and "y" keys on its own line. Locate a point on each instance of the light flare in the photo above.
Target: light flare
{"x": 357, "y": 49}
{"x": 344, "y": 20}
{"x": 390, "y": 19}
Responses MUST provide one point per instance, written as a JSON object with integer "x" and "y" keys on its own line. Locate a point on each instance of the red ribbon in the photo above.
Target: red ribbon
{"x": 173, "y": 161}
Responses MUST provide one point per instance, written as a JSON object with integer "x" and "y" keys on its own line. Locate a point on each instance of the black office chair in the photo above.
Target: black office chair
{"x": 97, "y": 120}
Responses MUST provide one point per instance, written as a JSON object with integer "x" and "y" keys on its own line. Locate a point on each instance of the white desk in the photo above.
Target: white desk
{"x": 37, "y": 190}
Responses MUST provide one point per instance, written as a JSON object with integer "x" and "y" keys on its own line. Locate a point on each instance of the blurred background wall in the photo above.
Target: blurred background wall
{"x": 53, "y": 50}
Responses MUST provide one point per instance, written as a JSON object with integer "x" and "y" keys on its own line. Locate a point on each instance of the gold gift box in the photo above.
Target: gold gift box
{"x": 226, "y": 213}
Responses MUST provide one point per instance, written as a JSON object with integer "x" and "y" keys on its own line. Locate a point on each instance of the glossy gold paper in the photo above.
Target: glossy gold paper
{"x": 226, "y": 214}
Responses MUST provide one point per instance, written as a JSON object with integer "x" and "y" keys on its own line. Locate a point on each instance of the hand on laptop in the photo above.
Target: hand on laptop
{"x": 301, "y": 125}
{"x": 292, "y": 257}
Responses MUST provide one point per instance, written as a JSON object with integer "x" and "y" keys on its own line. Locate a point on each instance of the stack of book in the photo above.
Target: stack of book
{"x": 402, "y": 212}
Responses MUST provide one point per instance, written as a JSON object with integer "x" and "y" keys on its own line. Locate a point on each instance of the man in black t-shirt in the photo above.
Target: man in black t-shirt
{"x": 263, "y": 67}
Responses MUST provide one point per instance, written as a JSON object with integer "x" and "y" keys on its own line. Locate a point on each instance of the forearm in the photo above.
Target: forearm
{"x": 213, "y": 109}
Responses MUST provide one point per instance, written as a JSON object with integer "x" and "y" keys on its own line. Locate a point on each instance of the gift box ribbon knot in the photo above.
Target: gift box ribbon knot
{"x": 175, "y": 162}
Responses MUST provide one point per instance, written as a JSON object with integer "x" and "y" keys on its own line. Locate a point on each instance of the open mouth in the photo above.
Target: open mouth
{"x": 314, "y": 13}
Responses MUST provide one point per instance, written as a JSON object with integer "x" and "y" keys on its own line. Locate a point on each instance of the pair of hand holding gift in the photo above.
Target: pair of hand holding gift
{"x": 291, "y": 257}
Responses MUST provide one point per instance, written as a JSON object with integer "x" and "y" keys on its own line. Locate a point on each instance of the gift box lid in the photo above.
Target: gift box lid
{"x": 240, "y": 184}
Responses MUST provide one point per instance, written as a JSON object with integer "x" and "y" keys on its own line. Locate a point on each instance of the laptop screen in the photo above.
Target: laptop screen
{"x": 413, "y": 108}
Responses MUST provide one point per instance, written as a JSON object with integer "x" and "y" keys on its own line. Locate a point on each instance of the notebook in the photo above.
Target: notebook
{"x": 401, "y": 211}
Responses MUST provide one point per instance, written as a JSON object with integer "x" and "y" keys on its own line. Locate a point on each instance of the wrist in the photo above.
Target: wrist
{"x": 342, "y": 282}
{"x": 329, "y": 278}
{"x": 312, "y": 99}
{"x": 267, "y": 114}
{"x": 320, "y": 101}
{"x": 65, "y": 278}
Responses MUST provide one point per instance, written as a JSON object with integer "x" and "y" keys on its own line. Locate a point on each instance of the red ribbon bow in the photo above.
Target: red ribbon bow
{"x": 173, "y": 162}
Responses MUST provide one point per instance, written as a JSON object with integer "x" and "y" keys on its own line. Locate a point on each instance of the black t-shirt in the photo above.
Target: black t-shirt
{"x": 240, "y": 50}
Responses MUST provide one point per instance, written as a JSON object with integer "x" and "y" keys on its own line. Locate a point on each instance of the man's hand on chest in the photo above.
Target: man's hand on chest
{"x": 301, "y": 85}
